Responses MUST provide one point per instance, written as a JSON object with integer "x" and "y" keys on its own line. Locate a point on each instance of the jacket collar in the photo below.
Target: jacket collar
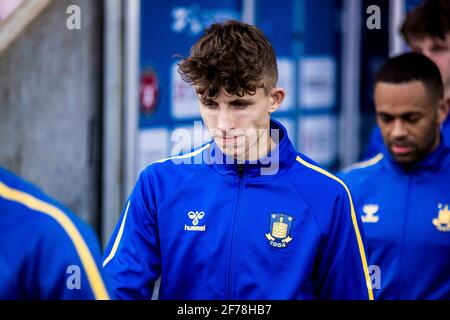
{"x": 436, "y": 161}
{"x": 280, "y": 159}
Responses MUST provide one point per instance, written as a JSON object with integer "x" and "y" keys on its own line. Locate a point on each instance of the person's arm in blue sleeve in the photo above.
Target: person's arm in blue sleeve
{"x": 343, "y": 270}
{"x": 68, "y": 265}
{"x": 132, "y": 259}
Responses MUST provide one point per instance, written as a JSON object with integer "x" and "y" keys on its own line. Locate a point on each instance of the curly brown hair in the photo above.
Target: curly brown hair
{"x": 233, "y": 56}
{"x": 431, "y": 18}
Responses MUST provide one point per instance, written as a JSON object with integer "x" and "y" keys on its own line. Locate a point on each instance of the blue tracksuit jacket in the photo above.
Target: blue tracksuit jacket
{"x": 406, "y": 222}
{"x": 46, "y": 252}
{"x": 218, "y": 230}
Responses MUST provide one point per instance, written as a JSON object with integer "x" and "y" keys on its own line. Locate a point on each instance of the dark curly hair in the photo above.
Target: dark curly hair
{"x": 413, "y": 67}
{"x": 431, "y": 18}
{"x": 233, "y": 56}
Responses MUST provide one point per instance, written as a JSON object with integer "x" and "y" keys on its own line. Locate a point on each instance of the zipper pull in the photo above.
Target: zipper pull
{"x": 240, "y": 170}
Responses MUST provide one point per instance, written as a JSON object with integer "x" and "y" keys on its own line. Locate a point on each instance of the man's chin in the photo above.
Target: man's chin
{"x": 404, "y": 158}
{"x": 230, "y": 151}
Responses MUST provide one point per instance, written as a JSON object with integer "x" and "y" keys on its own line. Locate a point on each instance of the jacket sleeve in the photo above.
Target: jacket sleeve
{"x": 343, "y": 271}
{"x": 67, "y": 265}
{"x": 132, "y": 258}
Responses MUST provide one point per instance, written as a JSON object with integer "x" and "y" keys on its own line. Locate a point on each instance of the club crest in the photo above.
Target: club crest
{"x": 442, "y": 222}
{"x": 280, "y": 229}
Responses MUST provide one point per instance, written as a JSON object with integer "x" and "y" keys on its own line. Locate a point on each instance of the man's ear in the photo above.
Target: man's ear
{"x": 276, "y": 98}
{"x": 443, "y": 110}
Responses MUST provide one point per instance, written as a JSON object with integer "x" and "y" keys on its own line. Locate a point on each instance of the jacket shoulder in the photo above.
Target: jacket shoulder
{"x": 361, "y": 171}
{"x": 166, "y": 176}
{"x": 315, "y": 179}
{"x": 47, "y": 217}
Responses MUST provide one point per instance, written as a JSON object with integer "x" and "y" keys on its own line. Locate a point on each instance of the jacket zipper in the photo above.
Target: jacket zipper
{"x": 403, "y": 234}
{"x": 233, "y": 233}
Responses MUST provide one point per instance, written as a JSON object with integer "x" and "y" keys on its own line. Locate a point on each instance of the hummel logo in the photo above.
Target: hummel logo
{"x": 195, "y": 216}
{"x": 370, "y": 211}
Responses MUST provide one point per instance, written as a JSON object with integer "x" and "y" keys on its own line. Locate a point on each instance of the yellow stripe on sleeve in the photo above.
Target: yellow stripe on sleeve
{"x": 355, "y": 223}
{"x": 87, "y": 260}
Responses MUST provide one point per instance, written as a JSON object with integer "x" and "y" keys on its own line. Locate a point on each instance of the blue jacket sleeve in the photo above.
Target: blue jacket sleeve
{"x": 67, "y": 265}
{"x": 343, "y": 270}
{"x": 132, "y": 258}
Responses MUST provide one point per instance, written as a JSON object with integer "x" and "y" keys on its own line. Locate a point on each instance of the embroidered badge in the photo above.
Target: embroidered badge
{"x": 442, "y": 222}
{"x": 280, "y": 229}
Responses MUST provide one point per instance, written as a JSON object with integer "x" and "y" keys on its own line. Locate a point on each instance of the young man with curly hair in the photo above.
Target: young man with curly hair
{"x": 245, "y": 216}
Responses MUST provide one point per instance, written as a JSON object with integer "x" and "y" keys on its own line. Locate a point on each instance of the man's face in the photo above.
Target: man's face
{"x": 438, "y": 51}
{"x": 239, "y": 125}
{"x": 409, "y": 119}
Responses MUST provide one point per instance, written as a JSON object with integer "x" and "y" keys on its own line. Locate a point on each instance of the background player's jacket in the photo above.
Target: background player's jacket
{"x": 46, "y": 252}
{"x": 407, "y": 223}
{"x": 226, "y": 231}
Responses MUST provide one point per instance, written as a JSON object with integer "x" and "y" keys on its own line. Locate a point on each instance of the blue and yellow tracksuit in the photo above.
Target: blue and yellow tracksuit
{"x": 46, "y": 252}
{"x": 406, "y": 218}
{"x": 278, "y": 228}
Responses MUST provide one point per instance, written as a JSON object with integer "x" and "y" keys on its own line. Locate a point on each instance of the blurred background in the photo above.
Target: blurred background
{"x": 90, "y": 94}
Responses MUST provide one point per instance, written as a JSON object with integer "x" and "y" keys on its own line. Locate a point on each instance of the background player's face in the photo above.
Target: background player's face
{"x": 438, "y": 51}
{"x": 239, "y": 125}
{"x": 409, "y": 119}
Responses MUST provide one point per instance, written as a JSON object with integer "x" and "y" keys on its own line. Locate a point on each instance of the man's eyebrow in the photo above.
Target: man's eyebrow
{"x": 241, "y": 101}
{"x": 412, "y": 113}
{"x": 406, "y": 114}
{"x": 210, "y": 101}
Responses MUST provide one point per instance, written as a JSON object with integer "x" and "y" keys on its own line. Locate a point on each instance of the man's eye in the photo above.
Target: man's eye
{"x": 412, "y": 119}
{"x": 210, "y": 105}
{"x": 240, "y": 106}
{"x": 385, "y": 118}
{"x": 439, "y": 48}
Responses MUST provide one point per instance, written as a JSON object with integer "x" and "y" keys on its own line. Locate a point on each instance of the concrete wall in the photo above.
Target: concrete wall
{"x": 50, "y": 106}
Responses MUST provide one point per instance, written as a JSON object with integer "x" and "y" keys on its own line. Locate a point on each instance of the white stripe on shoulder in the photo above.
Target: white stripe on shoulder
{"x": 368, "y": 163}
{"x": 185, "y": 156}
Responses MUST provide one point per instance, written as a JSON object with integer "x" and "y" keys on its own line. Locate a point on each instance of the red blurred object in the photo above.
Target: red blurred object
{"x": 149, "y": 91}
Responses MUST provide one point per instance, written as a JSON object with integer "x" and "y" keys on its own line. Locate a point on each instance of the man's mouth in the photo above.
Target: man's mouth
{"x": 401, "y": 149}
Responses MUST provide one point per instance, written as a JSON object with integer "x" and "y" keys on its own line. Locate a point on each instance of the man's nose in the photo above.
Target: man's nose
{"x": 225, "y": 121}
{"x": 398, "y": 129}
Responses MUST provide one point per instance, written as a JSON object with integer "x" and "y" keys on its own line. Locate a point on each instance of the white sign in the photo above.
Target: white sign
{"x": 286, "y": 74}
{"x": 318, "y": 138}
{"x": 153, "y": 145}
{"x": 317, "y": 82}
{"x": 184, "y": 98}
{"x": 193, "y": 19}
